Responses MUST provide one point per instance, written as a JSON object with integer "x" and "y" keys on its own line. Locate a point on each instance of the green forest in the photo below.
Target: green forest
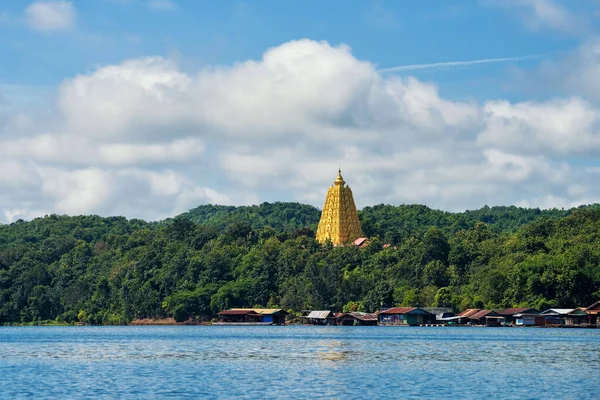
{"x": 95, "y": 270}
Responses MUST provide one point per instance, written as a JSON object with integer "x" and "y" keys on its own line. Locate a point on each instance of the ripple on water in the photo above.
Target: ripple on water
{"x": 284, "y": 362}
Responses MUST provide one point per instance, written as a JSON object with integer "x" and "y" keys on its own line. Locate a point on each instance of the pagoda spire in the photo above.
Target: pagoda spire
{"x": 339, "y": 220}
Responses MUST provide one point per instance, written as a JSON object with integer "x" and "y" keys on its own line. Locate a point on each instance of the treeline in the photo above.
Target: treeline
{"x": 97, "y": 270}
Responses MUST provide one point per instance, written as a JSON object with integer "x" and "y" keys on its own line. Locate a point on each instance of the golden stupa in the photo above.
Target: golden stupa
{"x": 339, "y": 220}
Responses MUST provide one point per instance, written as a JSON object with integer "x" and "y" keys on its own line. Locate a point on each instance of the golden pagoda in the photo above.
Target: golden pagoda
{"x": 339, "y": 220}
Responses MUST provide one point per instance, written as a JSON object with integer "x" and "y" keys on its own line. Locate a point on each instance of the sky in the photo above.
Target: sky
{"x": 147, "y": 108}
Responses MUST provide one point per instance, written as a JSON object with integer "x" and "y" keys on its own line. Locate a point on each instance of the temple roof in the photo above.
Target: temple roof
{"x": 339, "y": 180}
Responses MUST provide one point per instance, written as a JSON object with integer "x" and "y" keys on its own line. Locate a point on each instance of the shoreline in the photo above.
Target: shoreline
{"x": 172, "y": 322}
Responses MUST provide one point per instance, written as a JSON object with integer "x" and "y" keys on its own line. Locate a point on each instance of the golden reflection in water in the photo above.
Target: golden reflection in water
{"x": 333, "y": 350}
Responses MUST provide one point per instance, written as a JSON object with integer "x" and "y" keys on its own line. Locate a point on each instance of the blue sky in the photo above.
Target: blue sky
{"x": 177, "y": 103}
{"x": 387, "y": 33}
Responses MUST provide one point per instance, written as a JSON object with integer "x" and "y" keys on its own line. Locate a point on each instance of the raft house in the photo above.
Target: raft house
{"x": 356, "y": 319}
{"x": 319, "y": 318}
{"x": 252, "y": 316}
{"x": 405, "y": 316}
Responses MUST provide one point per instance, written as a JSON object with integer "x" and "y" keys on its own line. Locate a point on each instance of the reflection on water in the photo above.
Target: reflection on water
{"x": 283, "y": 362}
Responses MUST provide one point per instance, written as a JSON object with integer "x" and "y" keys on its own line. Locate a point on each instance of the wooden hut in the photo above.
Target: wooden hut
{"x": 320, "y": 318}
{"x": 239, "y": 316}
{"x": 486, "y": 318}
{"x": 576, "y": 317}
{"x": 356, "y": 318}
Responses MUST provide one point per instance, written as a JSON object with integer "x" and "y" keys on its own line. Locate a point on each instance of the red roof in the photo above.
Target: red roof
{"x": 359, "y": 241}
{"x": 360, "y": 315}
{"x": 397, "y": 310}
{"x": 483, "y": 313}
{"x": 468, "y": 312}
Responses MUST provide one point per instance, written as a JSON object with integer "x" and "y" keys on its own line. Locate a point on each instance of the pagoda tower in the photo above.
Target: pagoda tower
{"x": 339, "y": 220}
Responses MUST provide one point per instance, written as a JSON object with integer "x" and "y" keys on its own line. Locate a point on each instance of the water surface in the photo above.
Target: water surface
{"x": 298, "y": 361}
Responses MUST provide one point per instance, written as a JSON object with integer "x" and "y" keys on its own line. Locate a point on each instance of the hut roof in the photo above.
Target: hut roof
{"x": 361, "y": 316}
{"x": 484, "y": 313}
{"x": 468, "y": 312}
{"x": 359, "y": 242}
{"x": 320, "y": 314}
{"x": 396, "y": 310}
{"x": 594, "y": 308}
{"x": 558, "y": 311}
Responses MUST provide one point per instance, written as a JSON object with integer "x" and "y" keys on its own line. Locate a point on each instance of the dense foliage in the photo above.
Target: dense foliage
{"x": 280, "y": 216}
{"x": 111, "y": 270}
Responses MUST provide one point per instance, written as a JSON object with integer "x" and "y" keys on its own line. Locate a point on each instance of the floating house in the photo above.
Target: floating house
{"x": 509, "y": 314}
{"x": 320, "y": 318}
{"x": 405, "y": 316}
{"x": 525, "y": 319}
{"x": 564, "y": 316}
{"x": 356, "y": 318}
{"x": 255, "y": 316}
{"x": 245, "y": 316}
{"x": 486, "y": 318}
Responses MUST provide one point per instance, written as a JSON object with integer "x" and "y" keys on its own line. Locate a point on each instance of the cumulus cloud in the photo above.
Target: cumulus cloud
{"x": 50, "y": 16}
{"x": 72, "y": 149}
{"x": 563, "y": 126}
{"x": 143, "y": 138}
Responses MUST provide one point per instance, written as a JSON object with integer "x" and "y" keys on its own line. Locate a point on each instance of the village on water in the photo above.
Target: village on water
{"x": 340, "y": 225}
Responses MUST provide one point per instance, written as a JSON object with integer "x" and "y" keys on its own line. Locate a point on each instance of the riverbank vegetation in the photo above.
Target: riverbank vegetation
{"x": 94, "y": 270}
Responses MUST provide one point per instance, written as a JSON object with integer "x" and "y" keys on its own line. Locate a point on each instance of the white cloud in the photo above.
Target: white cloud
{"x": 565, "y": 126}
{"x": 145, "y": 139}
{"x": 547, "y": 14}
{"x": 70, "y": 149}
{"x": 161, "y": 5}
{"x": 50, "y": 16}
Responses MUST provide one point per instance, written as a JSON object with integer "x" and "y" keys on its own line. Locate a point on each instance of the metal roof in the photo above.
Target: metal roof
{"x": 320, "y": 314}
{"x": 403, "y": 310}
{"x": 484, "y": 313}
{"x": 468, "y": 312}
{"x": 594, "y": 308}
{"x": 362, "y": 316}
{"x": 558, "y": 311}
{"x": 397, "y": 310}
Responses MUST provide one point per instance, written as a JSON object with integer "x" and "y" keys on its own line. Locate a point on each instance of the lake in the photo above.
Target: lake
{"x": 298, "y": 362}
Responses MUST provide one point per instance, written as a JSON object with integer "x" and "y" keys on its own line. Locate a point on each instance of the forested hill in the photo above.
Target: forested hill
{"x": 396, "y": 222}
{"x": 280, "y": 216}
{"x": 97, "y": 270}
